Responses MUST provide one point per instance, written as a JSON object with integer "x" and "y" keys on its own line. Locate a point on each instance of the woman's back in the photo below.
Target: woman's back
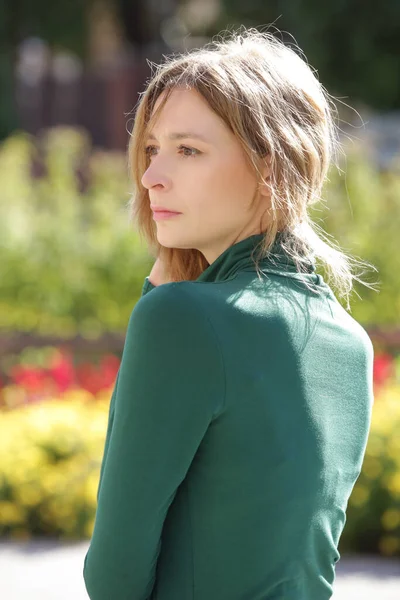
{"x": 260, "y": 505}
{"x": 263, "y": 505}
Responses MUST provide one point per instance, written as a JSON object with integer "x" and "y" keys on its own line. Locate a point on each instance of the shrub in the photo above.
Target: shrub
{"x": 71, "y": 263}
{"x": 40, "y": 373}
{"x": 373, "y": 514}
{"x": 362, "y": 214}
{"x": 50, "y": 456}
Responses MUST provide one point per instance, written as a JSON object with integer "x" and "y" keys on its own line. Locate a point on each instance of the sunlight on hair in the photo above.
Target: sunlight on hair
{"x": 270, "y": 97}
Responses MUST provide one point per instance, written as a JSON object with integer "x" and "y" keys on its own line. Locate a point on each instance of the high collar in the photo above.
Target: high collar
{"x": 238, "y": 257}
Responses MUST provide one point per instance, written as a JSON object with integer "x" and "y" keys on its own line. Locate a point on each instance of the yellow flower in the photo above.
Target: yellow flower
{"x": 50, "y": 456}
{"x": 391, "y": 518}
{"x": 52, "y": 480}
{"x": 89, "y": 527}
{"x": 393, "y": 484}
{"x": 91, "y": 486}
{"x": 28, "y": 494}
{"x": 372, "y": 467}
{"x": 393, "y": 449}
{"x": 11, "y": 513}
{"x": 359, "y": 495}
{"x": 389, "y": 545}
{"x": 77, "y": 395}
{"x": 375, "y": 446}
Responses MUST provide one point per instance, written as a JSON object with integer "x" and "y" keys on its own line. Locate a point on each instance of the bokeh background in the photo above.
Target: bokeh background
{"x": 72, "y": 266}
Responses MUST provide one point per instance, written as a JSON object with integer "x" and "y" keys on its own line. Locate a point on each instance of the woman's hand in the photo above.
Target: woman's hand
{"x": 158, "y": 274}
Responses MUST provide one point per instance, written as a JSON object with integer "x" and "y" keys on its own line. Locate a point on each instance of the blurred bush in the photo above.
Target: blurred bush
{"x": 37, "y": 374}
{"x": 72, "y": 264}
{"x": 373, "y": 513}
{"x": 362, "y": 213}
{"x": 70, "y": 261}
{"x": 50, "y": 458}
{"x": 50, "y": 455}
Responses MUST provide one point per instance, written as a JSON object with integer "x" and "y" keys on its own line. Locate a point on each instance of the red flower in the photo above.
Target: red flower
{"x": 62, "y": 370}
{"x": 383, "y": 368}
{"x": 32, "y": 379}
{"x": 95, "y": 379}
{"x": 109, "y": 366}
{"x": 61, "y": 375}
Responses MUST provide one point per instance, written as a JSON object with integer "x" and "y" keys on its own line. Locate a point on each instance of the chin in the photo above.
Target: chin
{"x": 168, "y": 240}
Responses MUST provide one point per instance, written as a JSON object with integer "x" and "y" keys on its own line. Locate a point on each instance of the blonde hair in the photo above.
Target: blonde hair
{"x": 273, "y": 102}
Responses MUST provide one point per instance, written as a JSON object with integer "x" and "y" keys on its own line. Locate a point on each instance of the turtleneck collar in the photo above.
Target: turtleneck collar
{"x": 238, "y": 257}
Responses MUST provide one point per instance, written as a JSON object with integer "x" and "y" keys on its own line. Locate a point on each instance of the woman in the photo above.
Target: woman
{"x": 241, "y": 410}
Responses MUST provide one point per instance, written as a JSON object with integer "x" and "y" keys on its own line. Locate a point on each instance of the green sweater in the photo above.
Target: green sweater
{"x": 237, "y": 429}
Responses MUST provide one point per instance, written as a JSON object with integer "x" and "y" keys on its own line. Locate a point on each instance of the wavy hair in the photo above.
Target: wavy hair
{"x": 269, "y": 96}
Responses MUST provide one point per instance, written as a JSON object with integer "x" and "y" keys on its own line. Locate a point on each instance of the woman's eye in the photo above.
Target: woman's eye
{"x": 148, "y": 150}
{"x": 185, "y": 151}
{"x": 190, "y": 150}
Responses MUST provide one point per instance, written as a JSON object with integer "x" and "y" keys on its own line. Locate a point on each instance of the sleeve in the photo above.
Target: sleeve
{"x": 163, "y": 405}
{"x": 147, "y": 286}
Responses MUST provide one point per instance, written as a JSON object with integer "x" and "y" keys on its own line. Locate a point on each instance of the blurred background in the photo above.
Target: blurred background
{"x": 72, "y": 267}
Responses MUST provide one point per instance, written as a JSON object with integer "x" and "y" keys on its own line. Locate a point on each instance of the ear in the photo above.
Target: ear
{"x": 266, "y": 170}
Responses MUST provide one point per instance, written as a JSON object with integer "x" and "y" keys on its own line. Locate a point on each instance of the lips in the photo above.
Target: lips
{"x": 165, "y": 210}
{"x": 159, "y": 215}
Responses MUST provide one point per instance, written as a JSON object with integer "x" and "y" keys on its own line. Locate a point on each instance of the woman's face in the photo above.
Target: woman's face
{"x": 207, "y": 180}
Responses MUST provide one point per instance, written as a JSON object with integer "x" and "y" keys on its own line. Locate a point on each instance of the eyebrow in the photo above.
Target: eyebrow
{"x": 179, "y": 135}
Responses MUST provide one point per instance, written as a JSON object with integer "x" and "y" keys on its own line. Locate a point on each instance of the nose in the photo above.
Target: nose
{"x": 152, "y": 178}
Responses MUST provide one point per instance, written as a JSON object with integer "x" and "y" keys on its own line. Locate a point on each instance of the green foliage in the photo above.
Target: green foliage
{"x": 62, "y": 24}
{"x": 50, "y": 458}
{"x": 70, "y": 260}
{"x": 349, "y": 47}
{"x": 373, "y": 513}
{"x": 361, "y": 211}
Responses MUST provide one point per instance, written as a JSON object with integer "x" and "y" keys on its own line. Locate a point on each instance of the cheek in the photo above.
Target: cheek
{"x": 219, "y": 185}
{"x": 235, "y": 182}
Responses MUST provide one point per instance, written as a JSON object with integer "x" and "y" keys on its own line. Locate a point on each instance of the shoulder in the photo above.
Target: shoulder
{"x": 172, "y": 300}
{"x": 172, "y": 310}
{"x": 172, "y": 333}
